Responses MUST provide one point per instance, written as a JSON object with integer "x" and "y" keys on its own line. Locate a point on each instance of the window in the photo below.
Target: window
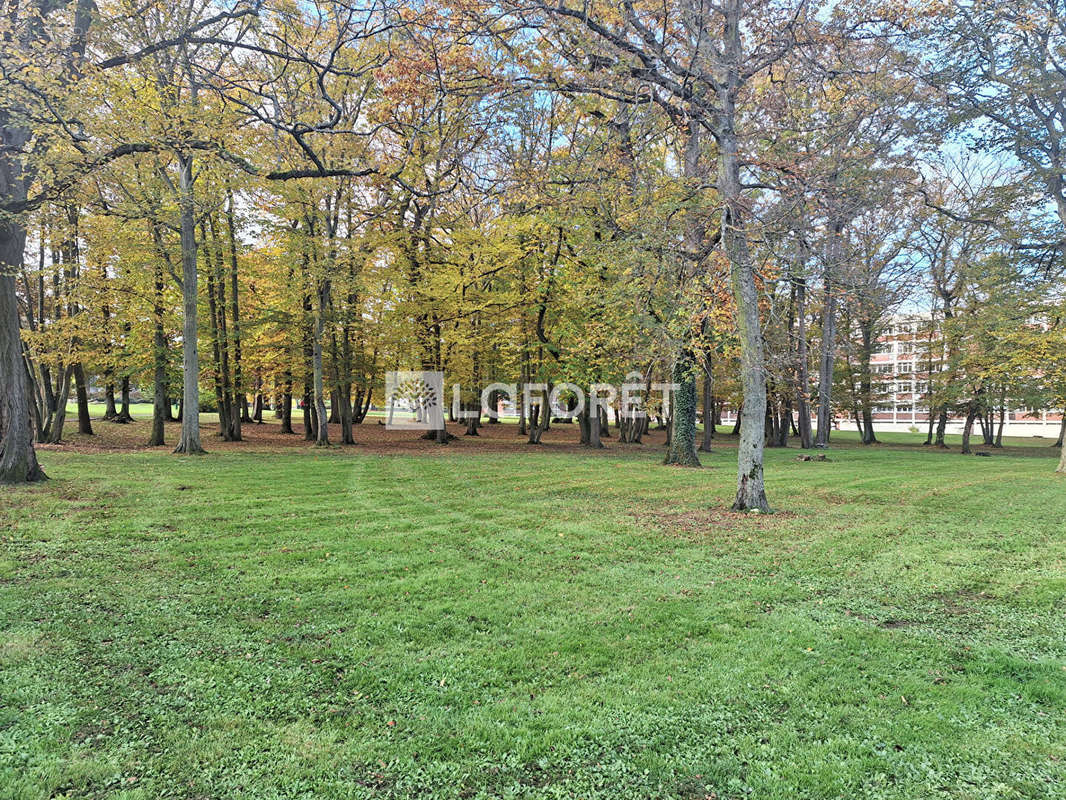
{"x": 904, "y": 408}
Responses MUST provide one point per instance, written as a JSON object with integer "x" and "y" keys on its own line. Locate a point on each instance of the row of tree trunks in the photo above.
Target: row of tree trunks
{"x": 827, "y": 358}
{"x": 223, "y": 325}
{"x": 189, "y": 442}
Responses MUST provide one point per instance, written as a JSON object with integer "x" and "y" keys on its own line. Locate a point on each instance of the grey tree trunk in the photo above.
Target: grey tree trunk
{"x": 55, "y": 430}
{"x": 803, "y": 409}
{"x": 18, "y": 460}
{"x": 321, "y": 417}
{"x": 239, "y": 397}
{"x": 751, "y": 491}
{"x": 1002, "y": 419}
{"x": 595, "y": 440}
{"x": 189, "y": 443}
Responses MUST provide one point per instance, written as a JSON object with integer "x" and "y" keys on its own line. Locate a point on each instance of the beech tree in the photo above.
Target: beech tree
{"x": 1001, "y": 66}
{"x": 700, "y": 65}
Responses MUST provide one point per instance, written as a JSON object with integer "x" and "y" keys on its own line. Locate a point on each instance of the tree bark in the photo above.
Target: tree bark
{"x": 751, "y": 492}
{"x": 828, "y": 351}
{"x": 803, "y": 409}
{"x": 286, "y": 404}
{"x": 160, "y": 394}
{"x": 85, "y": 425}
{"x": 682, "y": 450}
{"x": 239, "y": 398}
{"x": 866, "y": 383}
{"x": 941, "y": 426}
{"x": 1062, "y": 431}
{"x": 971, "y": 414}
{"x": 124, "y": 415}
{"x": 322, "y": 418}
{"x": 189, "y": 443}
{"x": 55, "y": 430}
{"x": 18, "y": 460}
{"x": 708, "y": 405}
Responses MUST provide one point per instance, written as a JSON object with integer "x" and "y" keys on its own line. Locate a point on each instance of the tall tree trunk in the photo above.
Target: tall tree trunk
{"x": 941, "y": 427}
{"x": 988, "y": 427}
{"x": 310, "y": 426}
{"x": 239, "y": 398}
{"x": 595, "y": 440}
{"x": 286, "y": 404}
{"x": 55, "y": 431}
{"x": 1002, "y": 418}
{"x": 682, "y": 450}
{"x": 18, "y": 460}
{"x": 160, "y": 401}
{"x": 828, "y": 349}
{"x": 229, "y": 413}
{"x": 85, "y": 425}
{"x": 971, "y": 414}
{"x": 125, "y": 415}
{"x": 216, "y": 346}
{"x": 322, "y": 430}
{"x": 866, "y": 328}
{"x": 160, "y": 393}
{"x": 708, "y": 405}
{"x": 751, "y": 491}
{"x": 189, "y": 443}
{"x": 538, "y": 415}
{"x": 803, "y": 409}
{"x": 110, "y": 412}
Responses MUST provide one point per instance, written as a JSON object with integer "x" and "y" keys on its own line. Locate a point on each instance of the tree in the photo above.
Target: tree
{"x": 701, "y": 67}
{"x": 1001, "y": 67}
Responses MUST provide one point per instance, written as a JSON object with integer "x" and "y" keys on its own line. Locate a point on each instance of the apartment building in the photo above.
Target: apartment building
{"x": 907, "y": 352}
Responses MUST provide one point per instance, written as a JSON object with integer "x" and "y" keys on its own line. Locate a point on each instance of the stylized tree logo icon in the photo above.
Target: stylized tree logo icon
{"x": 418, "y": 394}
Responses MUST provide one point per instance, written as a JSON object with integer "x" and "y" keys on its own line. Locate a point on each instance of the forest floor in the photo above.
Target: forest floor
{"x": 372, "y": 437}
{"x": 500, "y": 620}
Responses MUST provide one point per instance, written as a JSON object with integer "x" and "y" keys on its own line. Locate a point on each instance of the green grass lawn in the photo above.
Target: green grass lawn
{"x": 321, "y": 624}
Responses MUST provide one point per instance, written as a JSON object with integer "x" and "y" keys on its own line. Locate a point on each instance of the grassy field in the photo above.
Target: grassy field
{"x": 349, "y": 624}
